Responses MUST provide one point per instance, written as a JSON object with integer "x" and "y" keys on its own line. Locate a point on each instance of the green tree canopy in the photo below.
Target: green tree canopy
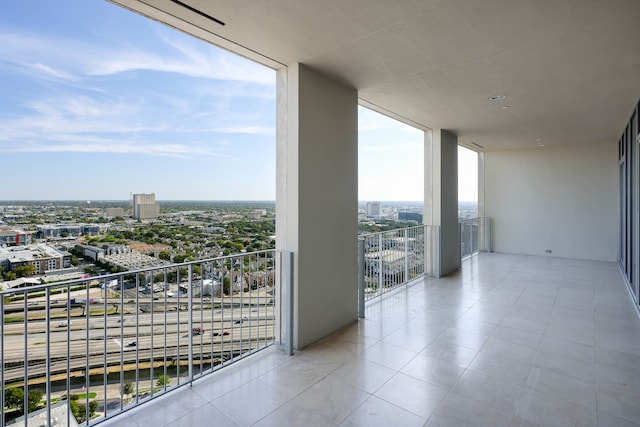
{"x": 163, "y": 380}
{"x": 25, "y": 270}
{"x": 14, "y": 398}
{"x": 127, "y": 388}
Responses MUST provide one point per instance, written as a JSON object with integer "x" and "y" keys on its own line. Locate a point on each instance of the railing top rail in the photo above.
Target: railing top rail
{"x": 415, "y": 227}
{"x": 475, "y": 218}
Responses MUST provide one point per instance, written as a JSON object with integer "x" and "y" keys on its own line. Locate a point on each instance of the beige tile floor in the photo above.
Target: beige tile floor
{"x": 507, "y": 341}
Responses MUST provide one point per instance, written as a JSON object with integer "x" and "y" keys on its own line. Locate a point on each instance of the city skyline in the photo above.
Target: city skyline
{"x": 99, "y": 102}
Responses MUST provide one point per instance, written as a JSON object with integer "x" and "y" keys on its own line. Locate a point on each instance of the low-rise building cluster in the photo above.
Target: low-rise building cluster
{"x": 42, "y": 256}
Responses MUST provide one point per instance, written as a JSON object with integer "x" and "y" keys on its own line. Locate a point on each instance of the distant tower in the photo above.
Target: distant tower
{"x": 145, "y": 206}
{"x": 373, "y": 210}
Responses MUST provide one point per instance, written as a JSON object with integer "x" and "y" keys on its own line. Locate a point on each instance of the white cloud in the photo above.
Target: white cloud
{"x": 93, "y": 145}
{"x": 59, "y": 118}
{"x": 70, "y": 58}
{"x": 47, "y": 70}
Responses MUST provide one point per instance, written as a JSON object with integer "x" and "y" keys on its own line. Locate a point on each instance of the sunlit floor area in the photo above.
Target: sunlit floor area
{"x": 507, "y": 341}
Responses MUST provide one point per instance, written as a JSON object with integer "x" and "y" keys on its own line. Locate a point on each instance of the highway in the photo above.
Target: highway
{"x": 136, "y": 336}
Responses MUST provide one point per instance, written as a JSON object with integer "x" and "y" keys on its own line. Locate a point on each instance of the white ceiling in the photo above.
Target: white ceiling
{"x": 569, "y": 69}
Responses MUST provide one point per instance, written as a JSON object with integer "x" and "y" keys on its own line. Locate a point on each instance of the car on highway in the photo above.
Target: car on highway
{"x": 63, "y": 324}
{"x": 132, "y": 344}
{"x": 197, "y": 331}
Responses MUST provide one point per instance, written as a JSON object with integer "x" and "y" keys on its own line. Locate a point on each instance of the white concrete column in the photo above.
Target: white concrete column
{"x": 317, "y": 199}
{"x": 441, "y": 194}
{"x": 481, "y": 208}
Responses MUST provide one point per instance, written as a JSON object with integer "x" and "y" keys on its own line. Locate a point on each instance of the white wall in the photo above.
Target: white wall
{"x": 441, "y": 195}
{"x": 317, "y": 200}
{"x": 562, "y": 198}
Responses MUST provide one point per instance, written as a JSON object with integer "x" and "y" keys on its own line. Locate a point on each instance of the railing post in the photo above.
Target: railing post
{"x": 406, "y": 256}
{"x": 426, "y": 256}
{"x": 460, "y": 240}
{"x": 361, "y": 278}
{"x": 436, "y": 252}
{"x": 380, "y": 240}
{"x": 288, "y": 304}
{"x": 488, "y": 235}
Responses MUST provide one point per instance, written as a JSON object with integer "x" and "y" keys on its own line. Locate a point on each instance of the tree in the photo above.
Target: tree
{"x": 79, "y": 411}
{"x": 25, "y": 270}
{"x": 163, "y": 380}
{"x": 35, "y": 397}
{"x": 178, "y": 259}
{"x": 127, "y": 388}
{"x": 93, "y": 408}
{"x": 9, "y": 275}
{"x": 165, "y": 255}
{"x": 14, "y": 398}
{"x": 226, "y": 286}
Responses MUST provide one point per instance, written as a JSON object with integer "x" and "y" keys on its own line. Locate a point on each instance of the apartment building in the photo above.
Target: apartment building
{"x": 42, "y": 256}
{"x": 11, "y": 237}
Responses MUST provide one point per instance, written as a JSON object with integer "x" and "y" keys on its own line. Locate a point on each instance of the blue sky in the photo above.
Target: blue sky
{"x": 98, "y": 102}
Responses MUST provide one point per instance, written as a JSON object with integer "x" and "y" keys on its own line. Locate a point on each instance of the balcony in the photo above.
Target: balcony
{"x": 508, "y": 340}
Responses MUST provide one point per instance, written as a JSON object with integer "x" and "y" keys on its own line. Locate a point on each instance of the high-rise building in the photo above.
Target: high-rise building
{"x": 145, "y": 206}
{"x": 374, "y": 210}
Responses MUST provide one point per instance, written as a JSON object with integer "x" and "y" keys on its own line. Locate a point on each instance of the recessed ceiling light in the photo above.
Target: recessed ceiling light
{"x": 506, "y": 107}
{"x": 538, "y": 139}
{"x": 497, "y": 97}
{"x": 540, "y": 144}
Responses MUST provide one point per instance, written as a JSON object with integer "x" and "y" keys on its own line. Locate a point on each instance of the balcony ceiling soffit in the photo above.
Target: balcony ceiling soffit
{"x": 569, "y": 70}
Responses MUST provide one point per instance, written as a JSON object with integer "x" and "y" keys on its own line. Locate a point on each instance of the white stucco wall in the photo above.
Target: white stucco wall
{"x": 441, "y": 194}
{"x": 317, "y": 202}
{"x": 561, "y": 198}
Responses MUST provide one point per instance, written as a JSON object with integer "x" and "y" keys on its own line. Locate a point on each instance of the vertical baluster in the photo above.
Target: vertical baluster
{"x": 190, "y": 320}
{"x": 47, "y": 356}
{"x": 105, "y": 372}
{"x": 26, "y": 359}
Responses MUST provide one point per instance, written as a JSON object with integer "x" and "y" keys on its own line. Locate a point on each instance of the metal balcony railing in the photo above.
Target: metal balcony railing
{"x": 393, "y": 258}
{"x": 475, "y": 236}
{"x": 85, "y": 350}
